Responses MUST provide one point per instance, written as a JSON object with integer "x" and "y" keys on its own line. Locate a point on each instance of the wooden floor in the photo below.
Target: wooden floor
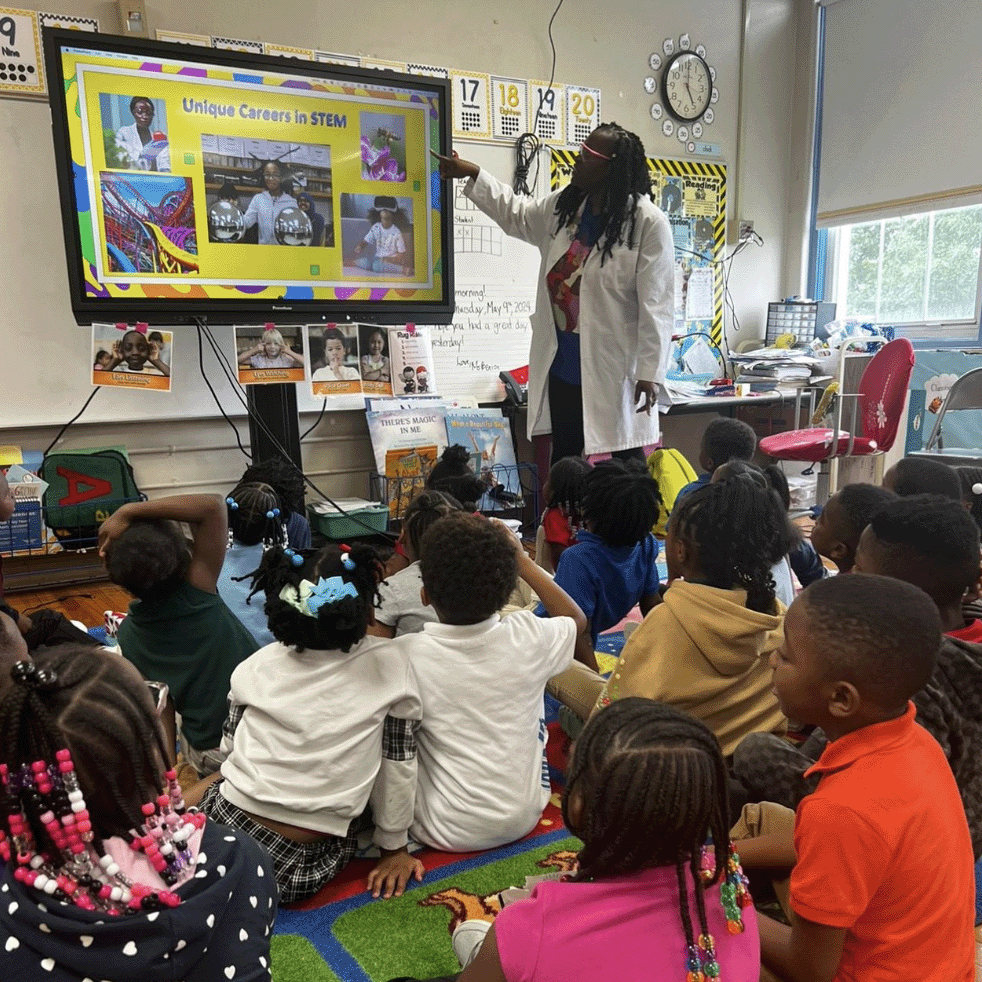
{"x": 84, "y": 602}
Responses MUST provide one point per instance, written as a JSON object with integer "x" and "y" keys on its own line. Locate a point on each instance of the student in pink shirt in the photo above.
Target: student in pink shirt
{"x": 646, "y": 790}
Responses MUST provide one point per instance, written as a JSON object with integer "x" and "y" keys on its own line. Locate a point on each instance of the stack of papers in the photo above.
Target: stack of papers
{"x": 777, "y": 364}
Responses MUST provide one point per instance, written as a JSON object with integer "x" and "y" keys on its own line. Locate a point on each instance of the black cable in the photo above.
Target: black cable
{"x": 72, "y": 420}
{"x": 270, "y": 436}
{"x": 57, "y": 600}
{"x": 214, "y": 395}
{"x": 526, "y": 149}
{"x": 313, "y": 426}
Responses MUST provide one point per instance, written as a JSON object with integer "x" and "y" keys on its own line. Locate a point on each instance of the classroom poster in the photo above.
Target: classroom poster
{"x": 127, "y": 356}
{"x": 692, "y": 194}
{"x": 334, "y": 362}
{"x": 269, "y": 355}
{"x": 933, "y": 375}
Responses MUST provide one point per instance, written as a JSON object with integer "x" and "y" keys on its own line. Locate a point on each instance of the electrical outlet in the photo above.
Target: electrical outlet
{"x": 745, "y": 228}
{"x": 133, "y": 18}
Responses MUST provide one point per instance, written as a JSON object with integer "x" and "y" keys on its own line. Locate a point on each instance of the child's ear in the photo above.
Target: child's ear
{"x": 844, "y": 700}
{"x": 840, "y": 550}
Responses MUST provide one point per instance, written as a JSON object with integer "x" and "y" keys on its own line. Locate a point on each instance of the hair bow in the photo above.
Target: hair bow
{"x": 309, "y": 597}
{"x": 28, "y": 674}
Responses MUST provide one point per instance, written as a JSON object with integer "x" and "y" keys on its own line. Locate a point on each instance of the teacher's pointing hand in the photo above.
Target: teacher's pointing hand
{"x": 455, "y": 168}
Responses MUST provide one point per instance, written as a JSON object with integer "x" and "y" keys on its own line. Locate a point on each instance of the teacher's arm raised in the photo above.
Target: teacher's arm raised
{"x": 520, "y": 216}
{"x": 656, "y": 305}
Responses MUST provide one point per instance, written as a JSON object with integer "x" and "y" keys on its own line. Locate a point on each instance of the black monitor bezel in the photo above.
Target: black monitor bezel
{"x": 88, "y": 309}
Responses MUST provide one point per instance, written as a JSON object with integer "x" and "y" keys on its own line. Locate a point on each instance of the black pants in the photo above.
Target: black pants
{"x": 566, "y": 410}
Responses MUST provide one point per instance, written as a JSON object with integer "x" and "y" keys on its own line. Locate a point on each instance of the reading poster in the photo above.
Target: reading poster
{"x": 191, "y": 177}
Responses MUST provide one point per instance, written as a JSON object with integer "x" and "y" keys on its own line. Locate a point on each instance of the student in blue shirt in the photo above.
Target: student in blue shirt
{"x": 613, "y": 564}
{"x": 723, "y": 440}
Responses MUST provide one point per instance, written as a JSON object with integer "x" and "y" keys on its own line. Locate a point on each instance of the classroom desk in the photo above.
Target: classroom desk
{"x": 726, "y": 405}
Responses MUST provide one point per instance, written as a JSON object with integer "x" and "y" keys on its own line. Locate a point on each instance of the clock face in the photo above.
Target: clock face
{"x": 686, "y": 86}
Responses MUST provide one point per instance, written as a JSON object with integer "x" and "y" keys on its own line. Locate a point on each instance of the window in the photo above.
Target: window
{"x": 920, "y": 273}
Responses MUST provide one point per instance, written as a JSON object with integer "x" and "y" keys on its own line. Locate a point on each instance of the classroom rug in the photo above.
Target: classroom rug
{"x": 341, "y": 934}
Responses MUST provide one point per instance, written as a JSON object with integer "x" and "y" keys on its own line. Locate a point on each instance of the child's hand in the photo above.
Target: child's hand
{"x": 112, "y": 528}
{"x": 393, "y": 871}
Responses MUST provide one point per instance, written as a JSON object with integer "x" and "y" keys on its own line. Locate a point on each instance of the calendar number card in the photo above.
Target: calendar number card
{"x": 471, "y": 104}
{"x": 509, "y": 107}
{"x": 547, "y": 109}
{"x": 20, "y": 52}
{"x": 582, "y": 112}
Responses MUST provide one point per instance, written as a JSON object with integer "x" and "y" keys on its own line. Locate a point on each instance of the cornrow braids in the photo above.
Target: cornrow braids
{"x": 629, "y": 179}
{"x": 339, "y": 624}
{"x": 80, "y": 732}
{"x": 735, "y": 527}
{"x": 255, "y": 515}
{"x": 649, "y": 786}
{"x": 422, "y": 512}
{"x": 772, "y": 479}
{"x": 621, "y": 502}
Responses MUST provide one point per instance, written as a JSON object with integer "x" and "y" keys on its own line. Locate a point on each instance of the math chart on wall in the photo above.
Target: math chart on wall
{"x": 693, "y": 196}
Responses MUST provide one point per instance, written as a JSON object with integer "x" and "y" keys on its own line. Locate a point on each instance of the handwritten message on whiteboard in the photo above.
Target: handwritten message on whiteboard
{"x": 496, "y": 279}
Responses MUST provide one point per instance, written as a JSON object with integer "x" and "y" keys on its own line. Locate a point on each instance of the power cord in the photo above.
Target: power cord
{"x": 214, "y": 395}
{"x": 62, "y": 431}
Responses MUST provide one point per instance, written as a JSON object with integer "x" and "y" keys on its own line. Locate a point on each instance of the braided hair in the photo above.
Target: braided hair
{"x": 255, "y": 515}
{"x": 421, "y": 513}
{"x": 621, "y": 502}
{"x": 629, "y": 179}
{"x": 646, "y": 788}
{"x": 103, "y": 712}
{"x": 336, "y": 625}
{"x": 738, "y": 534}
{"x": 567, "y": 485}
{"x": 284, "y": 477}
{"x": 770, "y": 478}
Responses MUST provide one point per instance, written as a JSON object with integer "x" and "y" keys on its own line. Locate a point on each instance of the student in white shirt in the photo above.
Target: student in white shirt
{"x": 266, "y": 206}
{"x": 482, "y": 775}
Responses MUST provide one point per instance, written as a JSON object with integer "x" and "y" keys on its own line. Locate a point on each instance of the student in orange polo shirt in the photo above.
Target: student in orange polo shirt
{"x": 882, "y": 884}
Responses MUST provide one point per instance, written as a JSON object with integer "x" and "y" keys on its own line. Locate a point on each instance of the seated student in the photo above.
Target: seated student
{"x": 287, "y": 480}
{"x": 178, "y": 631}
{"x": 723, "y": 440}
{"x": 652, "y": 897}
{"x": 921, "y": 475}
{"x": 705, "y": 648}
{"x": 105, "y": 875}
{"x": 932, "y": 543}
{"x": 802, "y": 557}
{"x": 255, "y": 523}
{"x": 614, "y": 563}
{"x": 401, "y": 609}
{"x": 303, "y": 743}
{"x": 843, "y": 519}
{"x": 563, "y": 518}
{"x": 482, "y": 778}
{"x": 882, "y": 883}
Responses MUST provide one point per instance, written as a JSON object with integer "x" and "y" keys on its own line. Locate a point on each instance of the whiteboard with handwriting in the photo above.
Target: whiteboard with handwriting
{"x": 496, "y": 278}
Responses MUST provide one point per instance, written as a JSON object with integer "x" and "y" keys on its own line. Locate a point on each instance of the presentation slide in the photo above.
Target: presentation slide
{"x": 200, "y": 181}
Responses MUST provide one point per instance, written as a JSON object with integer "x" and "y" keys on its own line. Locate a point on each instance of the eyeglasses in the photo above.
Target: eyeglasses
{"x": 594, "y": 153}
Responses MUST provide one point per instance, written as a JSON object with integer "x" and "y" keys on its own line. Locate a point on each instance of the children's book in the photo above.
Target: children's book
{"x": 488, "y": 433}
{"x": 406, "y": 429}
{"x": 406, "y": 472}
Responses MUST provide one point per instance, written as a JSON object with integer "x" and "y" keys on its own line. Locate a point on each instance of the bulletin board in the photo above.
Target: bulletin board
{"x": 693, "y": 196}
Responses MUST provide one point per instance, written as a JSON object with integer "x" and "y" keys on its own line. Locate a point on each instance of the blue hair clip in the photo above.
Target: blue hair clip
{"x": 347, "y": 562}
{"x": 329, "y": 592}
{"x": 232, "y": 503}
{"x": 294, "y": 557}
{"x": 269, "y": 514}
{"x": 276, "y": 513}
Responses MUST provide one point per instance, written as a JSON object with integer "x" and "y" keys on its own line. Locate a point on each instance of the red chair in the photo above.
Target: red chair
{"x": 880, "y": 404}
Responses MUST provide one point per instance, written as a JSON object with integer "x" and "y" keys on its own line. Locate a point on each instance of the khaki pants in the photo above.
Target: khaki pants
{"x": 577, "y": 688}
{"x": 765, "y": 819}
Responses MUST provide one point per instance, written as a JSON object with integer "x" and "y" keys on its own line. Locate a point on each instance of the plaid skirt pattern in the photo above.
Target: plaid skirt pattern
{"x": 301, "y": 868}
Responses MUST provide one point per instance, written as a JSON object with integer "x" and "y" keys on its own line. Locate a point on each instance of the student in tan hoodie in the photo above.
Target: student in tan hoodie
{"x": 706, "y": 648}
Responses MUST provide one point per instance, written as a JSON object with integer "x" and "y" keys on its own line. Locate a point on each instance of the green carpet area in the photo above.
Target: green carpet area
{"x": 295, "y": 959}
{"x": 406, "y": 936}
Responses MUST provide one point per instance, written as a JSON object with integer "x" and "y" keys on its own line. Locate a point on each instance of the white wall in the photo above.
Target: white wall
{"x": 604, "y": 46}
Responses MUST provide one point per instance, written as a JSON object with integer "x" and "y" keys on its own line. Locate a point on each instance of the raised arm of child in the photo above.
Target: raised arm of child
{"x": 207, "y": 517}
{"x": 558, "y": 603}
{"x": 248, "y": 353}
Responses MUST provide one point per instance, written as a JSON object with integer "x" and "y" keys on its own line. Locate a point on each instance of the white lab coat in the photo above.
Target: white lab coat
{"x": 627, "y": 310}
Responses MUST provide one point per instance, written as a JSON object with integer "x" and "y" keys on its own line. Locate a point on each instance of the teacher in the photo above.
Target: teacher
{"x": 605, "y": 305}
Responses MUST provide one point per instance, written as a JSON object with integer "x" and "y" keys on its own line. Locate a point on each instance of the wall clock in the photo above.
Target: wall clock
{"x": 686, "y": 85}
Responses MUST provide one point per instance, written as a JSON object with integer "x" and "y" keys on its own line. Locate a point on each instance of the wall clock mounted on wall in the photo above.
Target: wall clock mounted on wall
{"x": 686, "y": 83}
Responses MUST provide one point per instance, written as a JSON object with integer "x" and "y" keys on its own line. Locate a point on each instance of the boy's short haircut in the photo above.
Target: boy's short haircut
{"x": 879, "y": 633}
{"x": 469, "y": 567}
{"x": 859, "y": 504}
{"x": 621, "y": 502}
{"x": 921, "y": 475}
{"x": 932, "y": 542}
{"x": 150, "y": 558}
{"x": 727, "y": 439}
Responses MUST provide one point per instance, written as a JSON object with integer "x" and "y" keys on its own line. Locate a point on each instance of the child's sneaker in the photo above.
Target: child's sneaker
{"x": 467, "y": 939}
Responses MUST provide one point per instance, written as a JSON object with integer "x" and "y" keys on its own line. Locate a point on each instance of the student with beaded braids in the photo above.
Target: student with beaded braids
{"x": 105, "y": 875}
{"x": 653, "y": 898}
{"x": 255, "y": 523}
{"x": 705, "y": 648}
{"x": 303, "y": 742}
{"x": 603, "y": 319}
{"x": 287, "y": 480}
